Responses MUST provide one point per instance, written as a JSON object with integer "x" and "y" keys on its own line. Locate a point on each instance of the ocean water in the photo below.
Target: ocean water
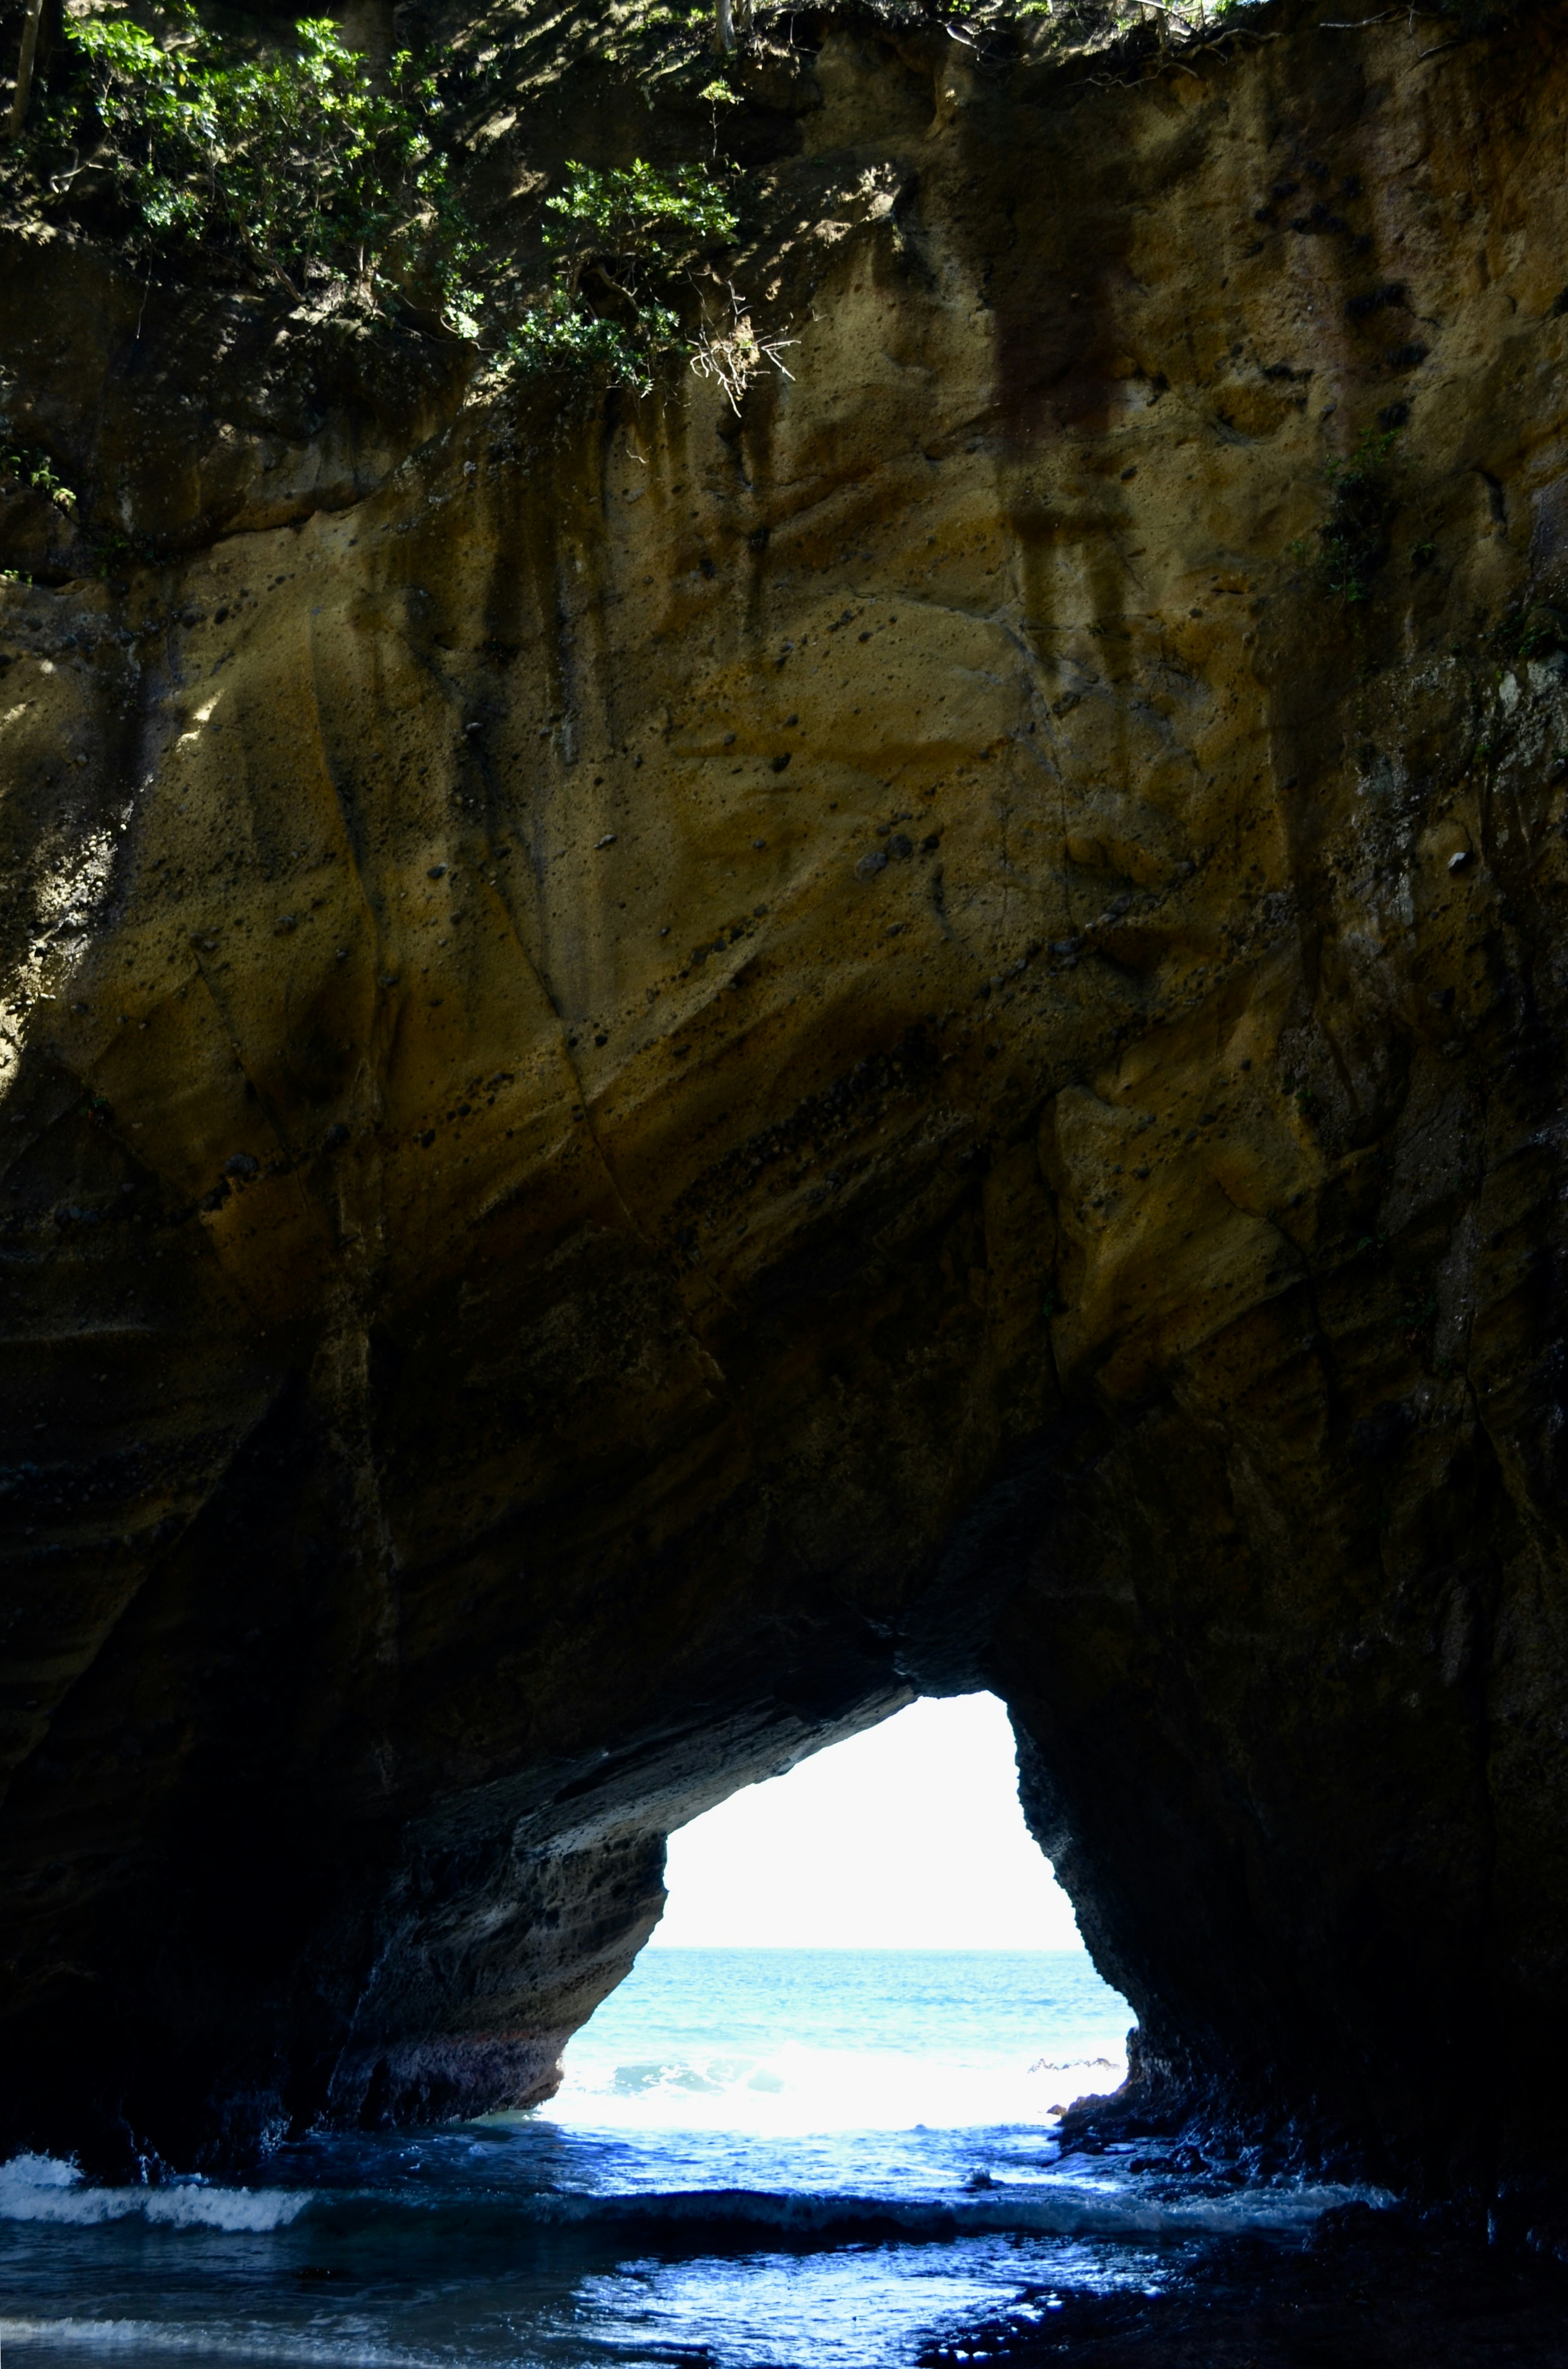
{"x": 758, "y": 2159}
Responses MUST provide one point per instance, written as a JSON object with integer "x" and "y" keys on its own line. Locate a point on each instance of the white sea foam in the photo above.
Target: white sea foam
{"x": 812, "y": 2157}
{"x": 792, "y": 2090}
{"x": 44, "y": 2188}
{"x": 1059, "y": 2206}
{"x": 781, "y": 2044}
{"x": 229, "y": 2339}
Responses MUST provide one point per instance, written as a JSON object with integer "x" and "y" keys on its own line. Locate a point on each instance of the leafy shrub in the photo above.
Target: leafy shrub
{"x": 296, "y": 161}
{"x": 26, "y": 465}
{"x": 552, "y": 338}
{"x": 294, "y": 157}
{"x": 676, "y": 216}
{"x": 1354, "y": 540}
{"x": 626, "y": 238}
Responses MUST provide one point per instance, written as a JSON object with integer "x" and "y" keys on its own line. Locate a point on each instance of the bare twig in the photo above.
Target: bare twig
{"x": 738, "y": 357}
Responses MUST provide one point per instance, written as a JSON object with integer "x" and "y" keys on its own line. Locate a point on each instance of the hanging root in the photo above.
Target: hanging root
{"x": 739, "y": 356}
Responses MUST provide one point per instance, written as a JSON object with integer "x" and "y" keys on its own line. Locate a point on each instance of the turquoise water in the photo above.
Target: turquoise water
{"x": 758, "y": 2159}
{"x": 770, "y": 2042}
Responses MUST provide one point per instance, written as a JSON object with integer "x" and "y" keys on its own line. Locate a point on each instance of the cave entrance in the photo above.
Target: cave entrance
{"x": 870, "y": 1941}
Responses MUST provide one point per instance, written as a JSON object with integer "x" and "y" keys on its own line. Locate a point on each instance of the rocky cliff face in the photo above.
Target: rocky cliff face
{"x": 671, "y": 1073}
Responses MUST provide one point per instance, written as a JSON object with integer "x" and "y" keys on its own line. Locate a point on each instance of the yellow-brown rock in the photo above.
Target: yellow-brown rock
{"x": 672, "y": 1072}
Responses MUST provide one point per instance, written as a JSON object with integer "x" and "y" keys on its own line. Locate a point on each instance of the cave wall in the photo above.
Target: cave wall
{"x": 670, "y": 1073}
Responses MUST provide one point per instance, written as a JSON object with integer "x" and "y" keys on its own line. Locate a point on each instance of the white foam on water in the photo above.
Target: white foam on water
{"x": 795, "y": 2090}
{"x": 239, "y": 2343}
{"x": 1057, "y": 2206}
{"x": 44, "y": 2188}
{"x": 1078, "y": 2209}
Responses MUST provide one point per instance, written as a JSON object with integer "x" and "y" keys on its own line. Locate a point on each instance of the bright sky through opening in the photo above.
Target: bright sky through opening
{"x": 906, "y": 1838}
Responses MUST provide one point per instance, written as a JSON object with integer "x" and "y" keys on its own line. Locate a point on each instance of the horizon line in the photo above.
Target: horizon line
{"x": 891, "y": 1949}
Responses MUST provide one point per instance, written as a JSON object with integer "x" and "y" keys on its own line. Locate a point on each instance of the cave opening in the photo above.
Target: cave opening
{"x": 872, "y": 1939}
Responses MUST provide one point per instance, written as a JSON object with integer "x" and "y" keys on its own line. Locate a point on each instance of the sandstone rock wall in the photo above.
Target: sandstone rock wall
{"x": 670, "y": 1073}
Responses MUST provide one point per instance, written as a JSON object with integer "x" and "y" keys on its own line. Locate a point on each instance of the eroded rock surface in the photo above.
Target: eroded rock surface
{"x": 672, "y": 1074}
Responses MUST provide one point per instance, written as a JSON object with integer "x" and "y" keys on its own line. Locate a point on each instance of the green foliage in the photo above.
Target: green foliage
{"x": 548, "y": 339}
{"x": 295, "y": 154}
{"x": 676, "y": 215}
{"x": 625, "y": 239}
{"x": 291, "y": 160}
{"x": 1533, "y": 628}
{"x": 26, "y": 464}
{"x": 1353, "y": 540}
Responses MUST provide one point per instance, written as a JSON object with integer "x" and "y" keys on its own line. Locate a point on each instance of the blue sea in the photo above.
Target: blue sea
{"x": 758, "y": 2159}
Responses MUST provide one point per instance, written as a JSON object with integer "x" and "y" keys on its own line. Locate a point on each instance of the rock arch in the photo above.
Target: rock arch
{"x": 665, "y": 1089}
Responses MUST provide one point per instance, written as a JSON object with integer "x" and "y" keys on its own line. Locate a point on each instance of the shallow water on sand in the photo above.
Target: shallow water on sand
{"x": 828, "y": 2159}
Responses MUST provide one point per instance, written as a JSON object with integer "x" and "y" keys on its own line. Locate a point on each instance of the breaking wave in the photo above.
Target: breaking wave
{"x": 1064, "y": 2209}
{"x": 161, "y": 2337}
{"x": 789, "y": 2089}
{"x": 782, "y": 2043}
{"x": 823, "y": 2158}
{"x": 41, "y": 2187}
